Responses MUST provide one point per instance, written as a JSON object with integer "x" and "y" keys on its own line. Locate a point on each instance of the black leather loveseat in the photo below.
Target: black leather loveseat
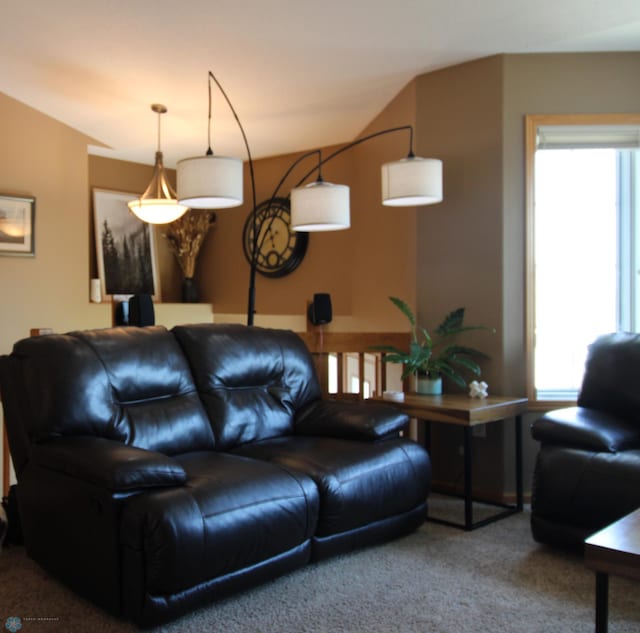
{"x": 587, "y": 472}
{"x": 161, "y": 470}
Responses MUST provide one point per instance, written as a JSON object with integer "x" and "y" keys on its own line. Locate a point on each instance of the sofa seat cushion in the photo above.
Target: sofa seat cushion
{"x": 585, "y": 489}
{"x": 359, "y": 482}
{"x": 233, "y": 513}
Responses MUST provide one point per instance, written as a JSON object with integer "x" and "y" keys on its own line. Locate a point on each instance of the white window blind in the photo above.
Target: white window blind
{"x": 588, "y": 137}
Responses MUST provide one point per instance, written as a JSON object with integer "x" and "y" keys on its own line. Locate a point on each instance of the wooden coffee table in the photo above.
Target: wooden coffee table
{"x": 613, "y": 550}
{"x": 465, "y": 412}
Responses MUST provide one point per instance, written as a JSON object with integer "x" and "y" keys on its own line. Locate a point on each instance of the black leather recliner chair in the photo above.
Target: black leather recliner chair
{"x": 161, "y": 470}
{"x": 587, "y": 472}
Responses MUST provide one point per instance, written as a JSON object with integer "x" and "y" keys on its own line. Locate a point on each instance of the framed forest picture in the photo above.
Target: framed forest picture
{"x": 125, "y": 247}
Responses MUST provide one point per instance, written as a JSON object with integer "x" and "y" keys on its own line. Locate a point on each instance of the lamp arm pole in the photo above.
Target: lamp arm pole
{"x": 348, "y": 146}
{"x": 254, "y": 262}
{"x": 294, "y": 165}
{"x": 318, "y": 168}
{"x": 256, "y": 244}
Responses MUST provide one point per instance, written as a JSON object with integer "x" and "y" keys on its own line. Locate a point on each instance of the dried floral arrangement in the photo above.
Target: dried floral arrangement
{"x": 186, "y": 235}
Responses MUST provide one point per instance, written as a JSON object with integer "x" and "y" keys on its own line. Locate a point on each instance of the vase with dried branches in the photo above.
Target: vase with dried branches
{"x": 185, "y": 237}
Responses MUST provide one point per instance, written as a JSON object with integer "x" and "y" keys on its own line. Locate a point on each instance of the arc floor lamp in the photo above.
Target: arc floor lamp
{"x": 215, "y": 182}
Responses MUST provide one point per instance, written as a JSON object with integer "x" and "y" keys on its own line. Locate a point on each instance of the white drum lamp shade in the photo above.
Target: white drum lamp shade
{"x": 320, "y": 206}
{"x": 412, "y": 181}
{"x": 210, "y": 182}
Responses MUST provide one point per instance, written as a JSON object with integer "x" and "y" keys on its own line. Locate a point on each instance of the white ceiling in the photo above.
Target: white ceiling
{"x": 300, "y": 74}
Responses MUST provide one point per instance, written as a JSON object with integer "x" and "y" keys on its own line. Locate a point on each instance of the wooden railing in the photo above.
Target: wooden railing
{"x": 353, "y": 355}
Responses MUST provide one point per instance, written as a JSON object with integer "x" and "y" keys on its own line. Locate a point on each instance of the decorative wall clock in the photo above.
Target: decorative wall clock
{"x": 280, "y": 249}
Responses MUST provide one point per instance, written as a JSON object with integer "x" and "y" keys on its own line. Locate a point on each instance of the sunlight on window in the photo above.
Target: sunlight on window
{"x": 333, "y": 373}
{"x": 576, "y": 262}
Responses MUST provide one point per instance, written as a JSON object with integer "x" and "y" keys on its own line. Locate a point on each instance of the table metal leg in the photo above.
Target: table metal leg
{"x": 427, "y": 444}
{"x": 468, "y": 481}
{"x": 602, "y": 602}
{"x": 519, "y": 485}
{"x": 467, "y": 495}
{"x": 427, "y": 436}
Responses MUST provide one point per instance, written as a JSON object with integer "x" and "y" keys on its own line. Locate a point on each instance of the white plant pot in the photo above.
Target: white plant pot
{"x": 429, "y": 386}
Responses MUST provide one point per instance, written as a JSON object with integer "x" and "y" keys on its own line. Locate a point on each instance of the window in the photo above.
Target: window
{"x": 583, "y": 259}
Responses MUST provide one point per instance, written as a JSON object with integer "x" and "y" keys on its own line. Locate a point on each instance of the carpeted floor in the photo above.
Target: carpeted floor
{"x": 439, "y": 579}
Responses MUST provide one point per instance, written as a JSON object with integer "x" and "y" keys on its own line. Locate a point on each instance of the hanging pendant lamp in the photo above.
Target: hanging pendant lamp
{"x": 158, "y": 204}
{"x": 210, "y": 181}
{"x": 320, "y": 206}
{"x": 412, "y": 181}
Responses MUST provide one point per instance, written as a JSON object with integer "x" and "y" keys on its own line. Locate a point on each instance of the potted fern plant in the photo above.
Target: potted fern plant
{"x": 432, "y": 357}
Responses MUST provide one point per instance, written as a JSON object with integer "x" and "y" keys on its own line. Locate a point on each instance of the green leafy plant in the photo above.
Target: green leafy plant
{"x": 436, "y": 355}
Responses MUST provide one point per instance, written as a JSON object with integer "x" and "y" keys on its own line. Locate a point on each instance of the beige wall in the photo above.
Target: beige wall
{"x": 383, "y": 241}
{"x": 471, "y": 247}
{"x": 223, "y": 271}
{"x": 41, "y": 157}
{"x": 539, "y": 84}
{"x": 468, "y": 251}
{"x": 359, "y": 268}
{"x": 459, "y": 242}
{"x": 546, "y": 84}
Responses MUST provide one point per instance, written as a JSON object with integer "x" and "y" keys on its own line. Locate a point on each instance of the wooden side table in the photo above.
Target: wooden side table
{"x": 613, "y": 550}
{"x": 466, "y": 412}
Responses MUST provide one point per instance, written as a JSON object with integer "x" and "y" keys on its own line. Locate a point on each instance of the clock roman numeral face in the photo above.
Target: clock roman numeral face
{"x": 279, "y": 249}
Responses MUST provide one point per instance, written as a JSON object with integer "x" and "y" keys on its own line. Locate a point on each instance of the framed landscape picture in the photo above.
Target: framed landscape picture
{"x": 125, "y": 246}
{"x": 17, "y": 225}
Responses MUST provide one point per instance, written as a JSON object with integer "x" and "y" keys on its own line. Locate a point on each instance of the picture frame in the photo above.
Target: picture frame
{"x": 17, "y": 225}
{"x": 125, "y": 247}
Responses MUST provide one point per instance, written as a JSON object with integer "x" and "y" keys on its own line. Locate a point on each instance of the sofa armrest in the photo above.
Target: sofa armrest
{"x": 108, "y": 464}
{"x": 586, "y": 428}
{"x": 350, "y": 420}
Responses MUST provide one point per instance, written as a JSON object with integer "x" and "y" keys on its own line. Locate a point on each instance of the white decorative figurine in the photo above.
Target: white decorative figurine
{"x": 478, "y": 389}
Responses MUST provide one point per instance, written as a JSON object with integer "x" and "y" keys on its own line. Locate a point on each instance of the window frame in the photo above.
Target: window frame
{"x": 532, "y": 123}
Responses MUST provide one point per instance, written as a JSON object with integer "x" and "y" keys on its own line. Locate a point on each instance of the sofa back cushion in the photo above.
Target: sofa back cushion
{"x": 131, "y": 385}
{"x": 612, "y": 376}
{"x": 251, "y": 380}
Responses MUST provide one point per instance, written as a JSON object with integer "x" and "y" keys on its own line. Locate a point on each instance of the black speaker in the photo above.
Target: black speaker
{"x": 320, "y": 309}
{"x": 141, "y": 311}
